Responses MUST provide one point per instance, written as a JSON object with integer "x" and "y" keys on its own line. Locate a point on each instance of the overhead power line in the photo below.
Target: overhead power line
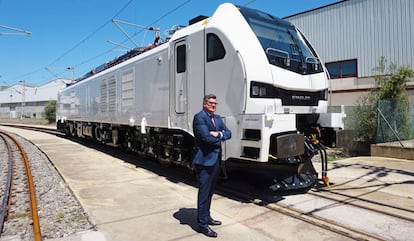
{"x": 90, "y": 35}
{"x": 249, "y": 2}
{"x": 156, "y": 21}
{"x": 123, "y": 42}
{"x": 99, "y": 29}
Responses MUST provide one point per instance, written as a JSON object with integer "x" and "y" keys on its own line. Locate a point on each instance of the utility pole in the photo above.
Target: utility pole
{"x": 73, "y": 73}
{"x": 23, "y": 98}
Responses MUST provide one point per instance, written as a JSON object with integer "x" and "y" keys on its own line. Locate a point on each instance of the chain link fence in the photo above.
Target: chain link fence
{"x": 395, "y": 121}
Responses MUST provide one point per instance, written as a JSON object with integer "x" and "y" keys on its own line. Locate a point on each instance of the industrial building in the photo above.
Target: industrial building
{"x": 21, "y": 100}
{"x": 351, "y": 36}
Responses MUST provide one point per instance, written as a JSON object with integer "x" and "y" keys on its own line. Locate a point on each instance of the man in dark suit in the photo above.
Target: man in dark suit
{"x": 209, "y": 132}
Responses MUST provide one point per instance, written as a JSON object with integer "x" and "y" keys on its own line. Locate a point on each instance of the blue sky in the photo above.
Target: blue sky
{"x": 78, "y": 33}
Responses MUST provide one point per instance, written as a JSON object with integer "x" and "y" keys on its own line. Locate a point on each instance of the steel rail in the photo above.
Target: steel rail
{"x": 34, "y": 128}
{"x": 5, "y": 202}
{"x": 33, "y": 202}
{"x": 351, "y": 201}
{"x": 323, "y": 223}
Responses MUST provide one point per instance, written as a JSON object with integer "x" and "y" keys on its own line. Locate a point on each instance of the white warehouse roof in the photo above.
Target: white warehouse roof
{"x": 46, "y": 92}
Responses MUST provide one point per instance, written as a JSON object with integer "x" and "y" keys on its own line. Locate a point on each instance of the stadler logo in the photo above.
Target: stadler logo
{"x": 301, "y": 97}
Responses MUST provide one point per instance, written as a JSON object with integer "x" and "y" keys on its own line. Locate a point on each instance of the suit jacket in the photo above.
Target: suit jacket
{"x": 208, "y": 147}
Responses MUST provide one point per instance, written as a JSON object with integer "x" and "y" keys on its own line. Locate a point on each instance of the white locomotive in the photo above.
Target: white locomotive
{"x": 271, "y": 86}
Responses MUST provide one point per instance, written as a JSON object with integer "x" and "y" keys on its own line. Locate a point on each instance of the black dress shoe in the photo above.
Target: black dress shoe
{"x": 214, "y": 222}
{"x": 208, "y": 232}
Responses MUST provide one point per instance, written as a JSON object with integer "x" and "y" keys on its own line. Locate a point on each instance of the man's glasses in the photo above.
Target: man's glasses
{"x": 212, "y": 103}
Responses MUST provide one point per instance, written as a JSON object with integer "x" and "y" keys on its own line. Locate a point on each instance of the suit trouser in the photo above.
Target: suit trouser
{"x": 207, "y": 179}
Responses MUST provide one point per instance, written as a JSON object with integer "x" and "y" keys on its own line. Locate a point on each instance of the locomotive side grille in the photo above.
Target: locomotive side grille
{"x": 112, "y": 95}
{"x": 127, "y": 89}
{"x": 104, "y": 96}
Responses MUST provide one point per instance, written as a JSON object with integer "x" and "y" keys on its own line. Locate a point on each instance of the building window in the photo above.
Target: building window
{"x": 342, "y": 69}
{"x": 215, "y": 48}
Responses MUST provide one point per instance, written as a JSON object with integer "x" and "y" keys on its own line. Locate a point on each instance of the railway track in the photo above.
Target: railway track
{"x": 357, "y": 203}
{"x": 36, "y": 128}
{"x": 366, "y": 212}
{"x": 384, "y": 207}
{"x": 19, "y": 186}
{"x": 323, "y": 223}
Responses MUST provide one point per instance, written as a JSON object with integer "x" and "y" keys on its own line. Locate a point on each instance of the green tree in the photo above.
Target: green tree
{"x": 50, "y": 112}
{"x": 364, "y": 118}
{"x": 390, "y": 96}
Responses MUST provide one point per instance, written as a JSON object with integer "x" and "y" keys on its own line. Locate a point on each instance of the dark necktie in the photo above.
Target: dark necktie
{"x": 212, "y": 120}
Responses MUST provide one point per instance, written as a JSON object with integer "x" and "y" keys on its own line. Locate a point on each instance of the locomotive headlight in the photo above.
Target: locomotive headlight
{"x": 260, "y": 90}
{"x": 255, "y": 90}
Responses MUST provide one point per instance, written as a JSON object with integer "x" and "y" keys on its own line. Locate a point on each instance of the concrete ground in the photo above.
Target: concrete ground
{"x": 126, "y": 202}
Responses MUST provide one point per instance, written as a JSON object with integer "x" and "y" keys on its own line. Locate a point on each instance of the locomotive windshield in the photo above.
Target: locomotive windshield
{"x": 284, "y": 45}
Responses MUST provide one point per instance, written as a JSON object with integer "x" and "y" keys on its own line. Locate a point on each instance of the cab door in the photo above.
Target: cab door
{"x": 179, "y": 85}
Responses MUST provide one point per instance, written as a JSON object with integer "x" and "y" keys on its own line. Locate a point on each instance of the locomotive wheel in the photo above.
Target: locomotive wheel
{"x": 165, "y": 161}
{"x": 72, "y": 131}
{"x": 67, "y": 131}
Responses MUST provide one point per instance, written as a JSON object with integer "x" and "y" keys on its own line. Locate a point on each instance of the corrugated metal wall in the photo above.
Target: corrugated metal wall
{"x": 361, "y": 29}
